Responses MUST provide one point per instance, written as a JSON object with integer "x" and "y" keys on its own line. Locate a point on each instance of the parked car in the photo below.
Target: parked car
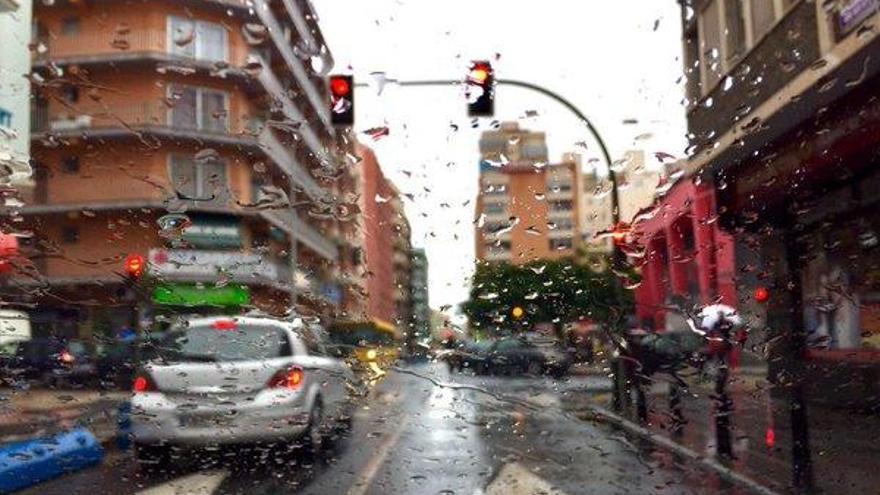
{"x": 54, "y": 362}
{"x": 465, "y": 355}
{"x": 524, "y": 355}
{"x": 223, "y": 380}
{"x": 118, "y": 360}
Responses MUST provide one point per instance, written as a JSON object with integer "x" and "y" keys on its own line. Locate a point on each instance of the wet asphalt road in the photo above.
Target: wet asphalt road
{"x": 424, "y": 431}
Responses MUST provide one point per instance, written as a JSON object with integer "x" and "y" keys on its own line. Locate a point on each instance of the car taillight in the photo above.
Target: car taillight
{"x": 143, "y": 383}
{"x": 66, "y": 357}
{"x": 290, "y": 378}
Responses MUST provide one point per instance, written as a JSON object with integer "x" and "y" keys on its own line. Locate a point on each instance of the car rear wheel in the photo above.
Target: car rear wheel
{"x": 534, "y": 368}
{"x": 314, "y": 437}
{"x": 152, "y": 457}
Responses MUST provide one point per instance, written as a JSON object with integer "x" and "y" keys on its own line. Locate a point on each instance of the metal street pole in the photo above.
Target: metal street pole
{"x": 621, "y": 395}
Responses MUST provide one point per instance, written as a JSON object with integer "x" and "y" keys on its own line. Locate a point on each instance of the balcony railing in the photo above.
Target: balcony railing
{"x": 101, "y": 43}
{"x": 136, "y": 117}
{"x": 303, "y": 232}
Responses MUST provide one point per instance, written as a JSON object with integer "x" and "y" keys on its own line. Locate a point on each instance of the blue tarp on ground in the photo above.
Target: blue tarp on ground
{"x": 26, "y": 463}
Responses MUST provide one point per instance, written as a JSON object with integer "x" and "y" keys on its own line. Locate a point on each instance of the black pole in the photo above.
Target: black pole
{"x": 802, "y": 466}
{"x": 723, "y": 402}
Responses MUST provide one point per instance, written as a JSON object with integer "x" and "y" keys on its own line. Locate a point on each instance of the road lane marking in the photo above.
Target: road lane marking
{"x": 194, "y": 484}
{"x": 515, "y": 479}
{"x": 366, "y": 476}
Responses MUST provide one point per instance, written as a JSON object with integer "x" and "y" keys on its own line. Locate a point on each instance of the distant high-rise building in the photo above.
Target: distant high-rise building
{"x": 637, "y": 188}
{"x": 386, "y": 247}
{"x": 421, "y": 311}
{"x": 527, "y": 209}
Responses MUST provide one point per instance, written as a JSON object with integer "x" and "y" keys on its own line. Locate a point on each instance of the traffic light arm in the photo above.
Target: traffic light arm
{"x": 612, "y": 177}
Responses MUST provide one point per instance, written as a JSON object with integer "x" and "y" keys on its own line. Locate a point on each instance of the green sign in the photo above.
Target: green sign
{"x": 191, "y": 295}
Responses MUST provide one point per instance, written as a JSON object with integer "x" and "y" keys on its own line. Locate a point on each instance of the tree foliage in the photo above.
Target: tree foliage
{"x": 557, "y": 292}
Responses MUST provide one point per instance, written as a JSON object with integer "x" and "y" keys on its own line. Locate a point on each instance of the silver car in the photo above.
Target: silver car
{"x": 225, "y": 380}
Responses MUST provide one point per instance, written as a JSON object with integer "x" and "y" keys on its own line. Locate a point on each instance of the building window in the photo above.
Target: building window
{"x": 199, "y": 108}
{"x": 561, "y": 243}
{"x": 197, "y": 39}
{"x": 710, "y": 44}
{"x": 70, "y": 235}
{"x": 70, "y": 164}
{"x": 763, "y": 17}
{"x": 199, "y": 180}
{"x": 735, "y": 32}
{"x": 559, "y": 187}
{"x": 70, "y": 26}
{"x": 70, "y": 93}
{"x": 494, "y": 208}
{"x": 562, "y": 205}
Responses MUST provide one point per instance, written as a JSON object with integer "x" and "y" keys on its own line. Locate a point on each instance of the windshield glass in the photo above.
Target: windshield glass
{"x": 553, "y": 247}
{"x": 209, "y": 344}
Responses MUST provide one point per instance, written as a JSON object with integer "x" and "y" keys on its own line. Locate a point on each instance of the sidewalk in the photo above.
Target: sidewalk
{"x": 34, "y": 413}
{"x": 843, "y": 444}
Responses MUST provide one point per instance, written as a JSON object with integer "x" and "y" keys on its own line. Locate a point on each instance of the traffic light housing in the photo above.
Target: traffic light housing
{"x": 341, "y": 100}
{"x": 480, "y": 89}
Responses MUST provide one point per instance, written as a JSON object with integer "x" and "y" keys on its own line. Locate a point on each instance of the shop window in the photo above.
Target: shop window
{"x": 562, "y": 205}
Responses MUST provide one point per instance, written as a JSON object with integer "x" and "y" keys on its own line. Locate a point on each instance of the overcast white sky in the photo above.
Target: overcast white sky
{"x": 616, "y": 60}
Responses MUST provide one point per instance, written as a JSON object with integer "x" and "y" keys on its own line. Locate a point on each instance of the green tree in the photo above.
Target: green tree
{"x": 557, "y": 292}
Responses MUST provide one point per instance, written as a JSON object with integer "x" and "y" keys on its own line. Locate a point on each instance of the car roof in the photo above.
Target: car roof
{"x": 244, "y": 320}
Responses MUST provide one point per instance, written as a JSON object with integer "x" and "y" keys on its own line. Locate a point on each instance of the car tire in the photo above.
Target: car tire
{"x": 314, "y": 439}
{"x": 533, "y": 368}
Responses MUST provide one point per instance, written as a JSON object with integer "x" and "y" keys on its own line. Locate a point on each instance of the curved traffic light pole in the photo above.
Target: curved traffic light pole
{"x": 612, "y": 177}
{"x": 620, "y": 396}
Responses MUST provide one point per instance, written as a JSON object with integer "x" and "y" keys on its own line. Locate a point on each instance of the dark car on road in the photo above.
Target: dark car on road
{"x": 523, "y": 354}
{"x": 54, "y": 362}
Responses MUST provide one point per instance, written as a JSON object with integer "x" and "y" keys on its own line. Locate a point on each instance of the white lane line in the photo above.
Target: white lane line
{"x": 366, "y": 476}
{"x": 194, "y": 484}
{"x": 514, "y": 479}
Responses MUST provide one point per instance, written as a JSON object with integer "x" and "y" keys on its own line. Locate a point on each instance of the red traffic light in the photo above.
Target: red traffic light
{"x": 480, "y": 72}
{"x": 340, "y": 86}
{"x": 135, "y": 265}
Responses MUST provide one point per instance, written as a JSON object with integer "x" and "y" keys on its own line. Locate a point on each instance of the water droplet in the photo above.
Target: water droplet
{"x": 709, "y": 102}
{"x": 254, "y": 34}
{"x": 183, "y": 37}
{"x": 172, "y": 225}
{"x": 207, "y": 155}
{"x": 253, "y": 67}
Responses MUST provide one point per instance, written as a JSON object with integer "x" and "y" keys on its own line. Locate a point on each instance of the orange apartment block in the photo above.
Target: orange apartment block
{"x": 209, "y": 111}
{"x": 527, "y": 209}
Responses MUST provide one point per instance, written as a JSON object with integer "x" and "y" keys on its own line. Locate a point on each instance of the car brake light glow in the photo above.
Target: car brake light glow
{"x": 66, "y": 357}
{"x": 143, "y": 384}
{"x": 225, "y": 325}
{"x": 290, "y": 379}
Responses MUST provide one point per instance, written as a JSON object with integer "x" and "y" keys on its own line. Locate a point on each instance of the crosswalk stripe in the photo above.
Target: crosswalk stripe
{"x": 193, "y": 484}
{"x": 514, "y": 479}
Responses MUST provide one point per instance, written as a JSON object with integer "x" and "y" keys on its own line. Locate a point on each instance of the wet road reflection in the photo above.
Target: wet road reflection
{"x": 424, "y": 431}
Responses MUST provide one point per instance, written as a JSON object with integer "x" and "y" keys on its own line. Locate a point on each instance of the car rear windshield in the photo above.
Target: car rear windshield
{"x": 209, "y": 344}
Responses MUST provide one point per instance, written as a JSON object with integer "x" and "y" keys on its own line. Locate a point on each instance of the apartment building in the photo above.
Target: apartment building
{"x": 784, "y": 116}
{"x": 194, "y": 135}
{"x": 526, "y": 208}
{"x": 386, "y": 247}
{"x": 421, "y": 311}
{"x": 637, "y": 186}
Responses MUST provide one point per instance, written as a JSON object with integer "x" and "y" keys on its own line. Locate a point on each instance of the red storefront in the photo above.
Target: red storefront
{"x": 688, "y": 260}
